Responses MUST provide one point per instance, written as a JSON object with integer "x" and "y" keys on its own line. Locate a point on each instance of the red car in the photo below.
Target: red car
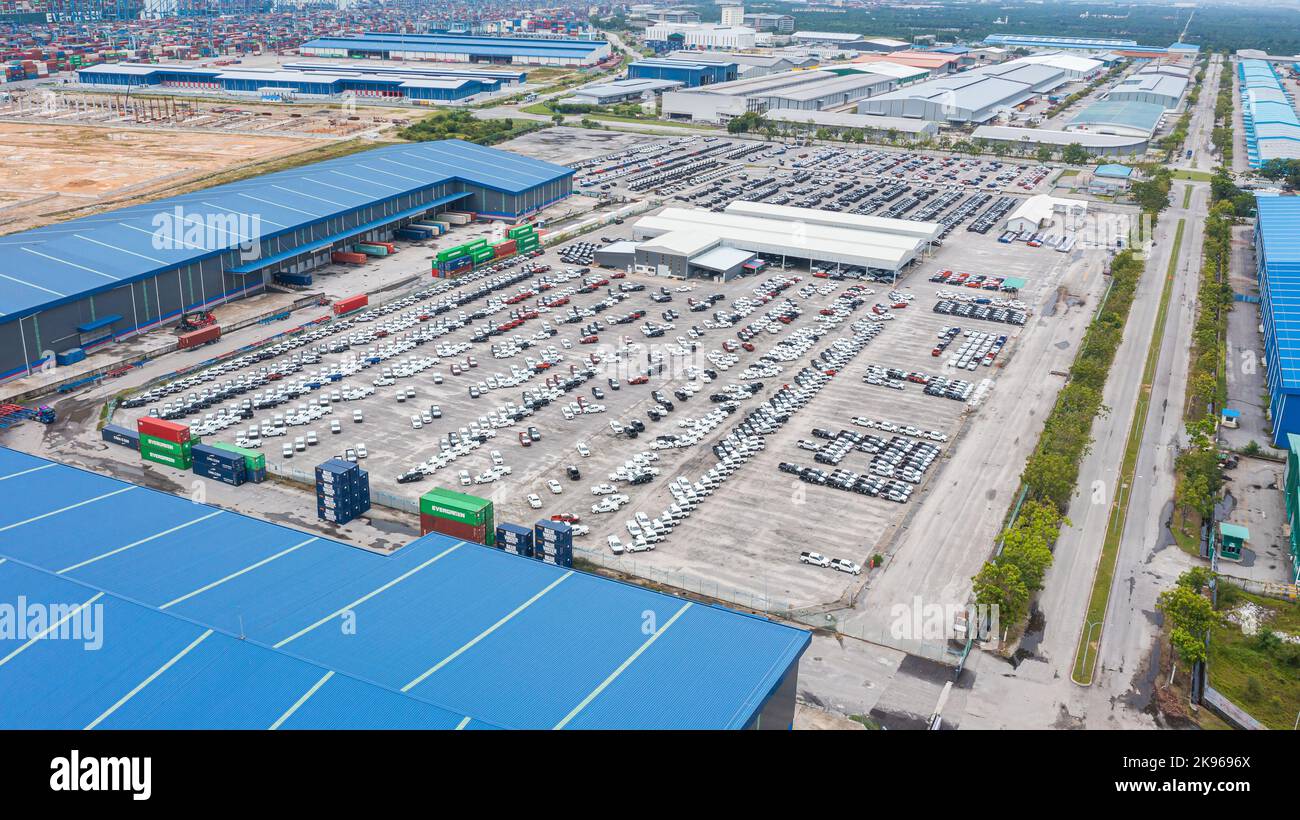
{"x": 525, "y": 440}
{"x": 747, "y": 346}
{"x": 568, "y": 518}
{"x": 638, "y": 380}
{"x": 588, "y": 340}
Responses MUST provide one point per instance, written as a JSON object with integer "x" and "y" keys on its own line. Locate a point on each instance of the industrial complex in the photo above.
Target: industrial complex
{"x": 647, "y": 367}
{"x": 93, "y": 281}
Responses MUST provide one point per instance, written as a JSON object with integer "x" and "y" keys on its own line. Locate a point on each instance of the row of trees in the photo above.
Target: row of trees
{"x": 463, "y": 125}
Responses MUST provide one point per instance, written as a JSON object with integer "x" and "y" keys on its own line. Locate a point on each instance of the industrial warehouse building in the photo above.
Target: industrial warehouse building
{"x": 88, "y": 282}
{"x": 872, "y": 127}
{"x": 688, "y": 74}
{"x": 460, "y": 48}
{"x": 974, "y": 96}
{"x": 1161, "y": 89}
{"x": 747, "y": 65}
{"x": 778, "y": 23}
{"x": 1268, "y": 114}
{"x": 686, "y": 242}
{"x": 795, "y": 90}
{"x": 621, "y": 91}
{"x": 221, "y": 621}
{"x": 1028, "y": 139}
{"x": 1277, "y": 256}
{"x": 664, "y": 36}
{"x": 1123, "y": 118}
{"x": 313, "y": 82}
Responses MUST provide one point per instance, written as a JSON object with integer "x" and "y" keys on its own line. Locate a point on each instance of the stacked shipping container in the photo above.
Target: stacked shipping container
{"x": 254, "y": 461}
{"x": 553, "y": 538}
{"x": 342, "y": 491}
{"x": 458, "y": 515}
{"x": 515, "y": 537}
{"x": 219, "y": 465}
{"x": 165, "y": 442}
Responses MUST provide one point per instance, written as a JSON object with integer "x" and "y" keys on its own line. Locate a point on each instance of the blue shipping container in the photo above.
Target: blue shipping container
{"x": 72, "y": 356}
{"x": 514, "y": 537}
{"x": 297, "y": 279}
{"x": 116, "y": 434}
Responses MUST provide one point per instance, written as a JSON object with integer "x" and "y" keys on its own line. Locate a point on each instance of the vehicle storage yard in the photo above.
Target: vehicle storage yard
{"x": 737, "y": 537}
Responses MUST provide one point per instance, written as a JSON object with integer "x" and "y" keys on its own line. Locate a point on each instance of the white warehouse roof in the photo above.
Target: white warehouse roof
{"x": 928, "y": 231}
{"x": 802, "y": 236}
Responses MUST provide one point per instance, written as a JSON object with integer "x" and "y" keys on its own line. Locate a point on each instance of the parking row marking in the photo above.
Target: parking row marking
{"x": 358, "y": 602}
{"x": 29, "y": 471}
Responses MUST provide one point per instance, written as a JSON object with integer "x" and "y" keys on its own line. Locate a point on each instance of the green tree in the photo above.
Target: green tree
{"x": 1000, "y": 585}
{"x": 1075, "y": 154}
{"x": 1190, "y": 648}
{"x": 1187, "y": 610}
{"x": 1195, "y": 578}
{"x": 1043, "y": 153}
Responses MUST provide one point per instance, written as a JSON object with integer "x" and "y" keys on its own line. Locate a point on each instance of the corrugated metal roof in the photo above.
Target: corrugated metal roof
{"x": 223, "y": 621}
{"x": 455, "y": 44}
{"x": 1278, "y": 225}
{"x": 70, "y": 260}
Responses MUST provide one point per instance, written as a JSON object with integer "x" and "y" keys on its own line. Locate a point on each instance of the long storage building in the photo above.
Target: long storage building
{"x": 91, "y": 281}
{"x": 460, "y": 48}
{"x": 1277, "y": 255}
{"x": 220, "y": 621}
{"x": 1268, "y": 114}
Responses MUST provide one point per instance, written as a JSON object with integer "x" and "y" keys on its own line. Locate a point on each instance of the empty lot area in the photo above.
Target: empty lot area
{"x": 48, "y": 169}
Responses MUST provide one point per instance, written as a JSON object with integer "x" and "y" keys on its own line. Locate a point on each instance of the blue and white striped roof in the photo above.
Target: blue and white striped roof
{"x": 71, "y": 260}
{"x": 211, "y": 619}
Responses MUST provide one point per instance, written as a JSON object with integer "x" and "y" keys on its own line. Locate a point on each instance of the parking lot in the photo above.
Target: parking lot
{"x": 789, "y": 411}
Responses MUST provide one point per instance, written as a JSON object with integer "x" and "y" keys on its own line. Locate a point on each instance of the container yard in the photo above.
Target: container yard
{"x": 556, "y": 408}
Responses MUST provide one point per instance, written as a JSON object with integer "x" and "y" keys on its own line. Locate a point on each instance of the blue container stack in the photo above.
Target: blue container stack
{"x": 219, "y": 465}
{"x": 71, "y": 356}
{"x": 412, "y": 233}
{"x": 342, "y": 491}
{"x": 556, "y": 538}
{"x": 515, "y": 537}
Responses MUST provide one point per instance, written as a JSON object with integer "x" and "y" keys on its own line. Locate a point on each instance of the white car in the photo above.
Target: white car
{"x": 534, "y": 501}
{"x": 554, "y": 486}
{"x": 583, "y": 450}
{"x": 464, "y": 477}
{"x": 604, "y": 489}
{"x": 615, "y": 545}
{"x": 814, "y": 558}
{"x": 362, "y": 452}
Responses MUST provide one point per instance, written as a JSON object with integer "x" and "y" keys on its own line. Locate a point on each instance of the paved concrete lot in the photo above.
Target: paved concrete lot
{"x": 742, "y": 544}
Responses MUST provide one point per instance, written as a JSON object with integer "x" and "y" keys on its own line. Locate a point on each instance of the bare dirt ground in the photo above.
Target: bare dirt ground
{"x": 46, "y": 170}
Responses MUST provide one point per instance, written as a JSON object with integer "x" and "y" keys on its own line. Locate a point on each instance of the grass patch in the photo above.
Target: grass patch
{"x": 1085, "y": 657}
{"x": 1187, "y": 196}
{"x": 1194, "y": 176}
{"x": 1264, "y": 681}
{"x": 541, "y": 108}
{"x": 870, "y": 723}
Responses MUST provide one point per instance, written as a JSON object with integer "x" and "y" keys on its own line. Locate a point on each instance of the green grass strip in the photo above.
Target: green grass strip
{"x": 1085, "y": 656}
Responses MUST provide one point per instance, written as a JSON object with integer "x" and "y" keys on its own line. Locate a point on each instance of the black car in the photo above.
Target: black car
{"x": 573, "y": 473}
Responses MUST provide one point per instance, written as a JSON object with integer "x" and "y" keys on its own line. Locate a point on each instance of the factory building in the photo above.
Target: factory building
{"x": 931, "y": 61}
{"x": 714, "y": 36}
{"x": 1277, "y": 259}
{"x": 1075, "y": 66}
{"x": 293, "y": 82}
{"x": 222, "y": 621}
{"x": 621, "y": 91}
{"x": 1028, "y": 140}
{"x": 460, "y": 48}
{"x": 874, "y": 128}
{"x": 91, "y": 281}
{"x": 685, "y": 242}
{"x": 775, "y": 23}
{"x": 1119, "y": 117}
{"x": 685, "y": 73}
{"x": 1160, "y": 89}
{"x": 794, "y": 90}
{"x": 973, "y": 96}
{"x": 747, "y": 65}
{"x": 1268, "y": 114}
{"x": 901, "y": 74}
{"x": 673, "y": 16}
{"x": 1042, "y": 211}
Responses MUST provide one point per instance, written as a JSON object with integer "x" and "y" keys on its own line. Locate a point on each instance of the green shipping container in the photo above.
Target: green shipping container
{"x": 520, "y": 232}
{"x": 475, "y": 243}
{"x": 370, "y": 250}
{"x": 179, "y": 462}
{"x": 454, "y": 506}
{"x": 451, "y": 253}
{"x": 161, "y": 445}
{"x": 253, "y": 460}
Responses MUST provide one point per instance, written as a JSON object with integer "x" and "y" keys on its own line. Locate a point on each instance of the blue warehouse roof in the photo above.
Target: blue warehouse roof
{"x": 1279, "y": 230}
{"x": 455, "y": 44}
{"x": 210, "y": 619}
{"x": 71, "y": 260}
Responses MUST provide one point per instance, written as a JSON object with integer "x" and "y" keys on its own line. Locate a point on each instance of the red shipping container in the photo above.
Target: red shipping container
{"x": 349, "y": 256}
{"x": 453, "y": 529}
{"x": 198, "y": 337}
{"x": 351, "y": 303}
{"x": 504, "y": 249}
{"x": 160, "y": 428}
